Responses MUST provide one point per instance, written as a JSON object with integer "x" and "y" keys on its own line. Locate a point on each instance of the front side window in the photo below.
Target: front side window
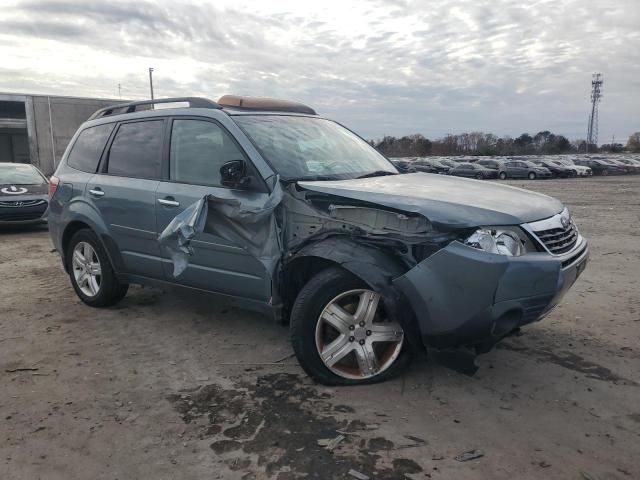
{"x": 86, "y": 152}
{"x": 308, "y": 148}
{"x": 136, "y": 150}
{"x": 198, "y": 150}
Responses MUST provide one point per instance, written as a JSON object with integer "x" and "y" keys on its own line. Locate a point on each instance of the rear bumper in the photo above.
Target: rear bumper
{"x": 465, "y": 297}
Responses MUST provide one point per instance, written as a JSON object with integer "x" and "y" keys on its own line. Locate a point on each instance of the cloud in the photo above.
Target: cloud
{"x": 381, "y": 67}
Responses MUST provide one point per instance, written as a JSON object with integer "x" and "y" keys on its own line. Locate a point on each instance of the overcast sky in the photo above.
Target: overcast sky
{"x": 379, "y": 66}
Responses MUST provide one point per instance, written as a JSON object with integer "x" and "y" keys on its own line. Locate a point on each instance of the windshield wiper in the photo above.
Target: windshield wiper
{"x": 377, "y": 173}
{"x": 313, "y": 178}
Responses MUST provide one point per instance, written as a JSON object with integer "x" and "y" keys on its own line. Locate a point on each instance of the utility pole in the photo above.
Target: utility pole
{"x": 151, "y": 81}
{"x": 596, "y": 95}
{"x": 120, "y": 91}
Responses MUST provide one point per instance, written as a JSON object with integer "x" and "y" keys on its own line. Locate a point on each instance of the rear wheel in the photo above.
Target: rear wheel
{"x": 503, "y": 175}
{"x": 532, "y": 175}
{"x": 605, "y": 173}
{"x": 479, "y": 176}
{"x": 342, "y": 334}
{"x": 90, "y": 271}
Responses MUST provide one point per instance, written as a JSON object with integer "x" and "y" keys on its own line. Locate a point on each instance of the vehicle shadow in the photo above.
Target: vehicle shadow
{"x": 20, "y": 229}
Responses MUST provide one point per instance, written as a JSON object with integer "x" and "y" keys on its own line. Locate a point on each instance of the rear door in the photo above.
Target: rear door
{"x": 198, "y": 148}
{"x": 124, "y": 191}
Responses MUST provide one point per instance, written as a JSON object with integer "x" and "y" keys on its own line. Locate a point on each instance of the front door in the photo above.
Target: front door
{"x": 199, "y": 147}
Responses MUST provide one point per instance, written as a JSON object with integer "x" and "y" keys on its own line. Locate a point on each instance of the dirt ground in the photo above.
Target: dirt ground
{"x": 166, "y": 386}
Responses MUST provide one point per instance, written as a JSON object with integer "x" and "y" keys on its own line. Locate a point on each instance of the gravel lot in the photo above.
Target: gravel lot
{"x": 172, "y": 386}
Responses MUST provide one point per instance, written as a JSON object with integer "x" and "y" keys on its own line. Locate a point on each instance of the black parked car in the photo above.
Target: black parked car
{"x": 403, "y": 166}
{"x": 423, "y": 165}
{"x": 557, "y": 169}
{"x": 440, "y": 167}
{"x": 473, "y": 170}
{"x": 522, "y": 169}
{"x": 599, "y": 167}
{"x": 449, "y": 163}
{"x": 23, "y": 194}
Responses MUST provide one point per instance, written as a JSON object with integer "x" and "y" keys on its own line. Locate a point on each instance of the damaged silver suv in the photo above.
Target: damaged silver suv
{"x": 267, "y": 205}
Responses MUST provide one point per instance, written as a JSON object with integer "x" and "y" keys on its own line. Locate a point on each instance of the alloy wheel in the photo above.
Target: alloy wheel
{"x": 87, "y": 271}
{"x": 354, "y": 336}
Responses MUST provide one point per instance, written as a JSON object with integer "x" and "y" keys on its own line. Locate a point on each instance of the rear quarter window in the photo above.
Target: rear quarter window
{"x": 85, "y": 153}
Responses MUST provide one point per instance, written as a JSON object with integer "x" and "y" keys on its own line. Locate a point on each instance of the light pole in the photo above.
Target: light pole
{"x": 151, "y": 81}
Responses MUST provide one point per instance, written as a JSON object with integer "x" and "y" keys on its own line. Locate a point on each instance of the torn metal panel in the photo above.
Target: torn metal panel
{"x": 312, "y": 217}
{"x": 252, "y": 228}
{"x": 176, "y": 237}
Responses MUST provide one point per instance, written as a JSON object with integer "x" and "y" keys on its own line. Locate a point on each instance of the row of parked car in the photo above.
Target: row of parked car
{"x": 531, "y": 167}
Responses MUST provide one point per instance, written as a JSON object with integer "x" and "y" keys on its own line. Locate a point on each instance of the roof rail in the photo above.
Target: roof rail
{"x": 264, "y": 104}
{"x": 194, "y": 102}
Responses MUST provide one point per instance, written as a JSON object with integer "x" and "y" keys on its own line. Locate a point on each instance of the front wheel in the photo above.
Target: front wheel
{"x": 479, "y": 176}
{"x": 532, "y": 175}
{"x": 90, "y": 271}
{"x": 342, "y": 334}
{"x": 503, "y": 175}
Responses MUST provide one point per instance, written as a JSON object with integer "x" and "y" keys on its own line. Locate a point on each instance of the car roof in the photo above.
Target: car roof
{"x": 230, "y": 104}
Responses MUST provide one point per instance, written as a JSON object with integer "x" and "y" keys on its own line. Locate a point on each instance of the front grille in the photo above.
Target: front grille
{"x": 21, "y": 203}
{"x": 20, "y": 216}
{"x": 558, "y": 240}
{"x": 574, "y": 257}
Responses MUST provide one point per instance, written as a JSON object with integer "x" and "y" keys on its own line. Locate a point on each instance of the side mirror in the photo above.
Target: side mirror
{"x": 234, "y": 174}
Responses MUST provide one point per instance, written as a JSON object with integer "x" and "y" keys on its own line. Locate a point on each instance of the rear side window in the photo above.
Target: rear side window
{"x": 136, "y": 150}
{"x": 85, "y": 153}
{"x": 198, "y": 150}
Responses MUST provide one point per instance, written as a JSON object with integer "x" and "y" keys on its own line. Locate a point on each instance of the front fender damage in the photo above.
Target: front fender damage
{"x": 377, "y": 244}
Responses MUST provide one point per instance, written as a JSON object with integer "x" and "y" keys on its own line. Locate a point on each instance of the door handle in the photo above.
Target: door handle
{"x": 168, "y": 203}
{"x": 96, "y": 192}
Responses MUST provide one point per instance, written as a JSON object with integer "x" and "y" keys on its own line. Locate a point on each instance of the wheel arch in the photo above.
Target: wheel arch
{"x": 109, "y": 245}
{"x": 373, "y": 265}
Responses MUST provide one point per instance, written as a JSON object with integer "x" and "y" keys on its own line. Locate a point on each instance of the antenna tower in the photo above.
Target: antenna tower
{"x": 596, "y": 95}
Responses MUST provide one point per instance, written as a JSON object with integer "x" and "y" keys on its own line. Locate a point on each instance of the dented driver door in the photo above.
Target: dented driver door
{"x": 198, "y": 149}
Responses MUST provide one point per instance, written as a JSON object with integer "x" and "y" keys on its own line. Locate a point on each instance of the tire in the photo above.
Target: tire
{"x": 106, "y": 290}
{"x": 309, "y": 331}
{"x": 532, "y": 175}
{"x": 574, "y": 174}
{"x": 604, "y": 173}
{"x": 480, "y": 176}
{"x": 502, "y": 175}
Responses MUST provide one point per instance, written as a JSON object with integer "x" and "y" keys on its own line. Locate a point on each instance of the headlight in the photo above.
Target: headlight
{"x": 498, "y": 240}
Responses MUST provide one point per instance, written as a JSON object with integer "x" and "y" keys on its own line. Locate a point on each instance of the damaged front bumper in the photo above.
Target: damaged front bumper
{"x": 465, "y": 297}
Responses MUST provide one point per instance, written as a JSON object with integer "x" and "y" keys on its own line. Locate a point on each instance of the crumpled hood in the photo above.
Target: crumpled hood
{"x": 445, "y": 201}
{"x": 22, "y": 192}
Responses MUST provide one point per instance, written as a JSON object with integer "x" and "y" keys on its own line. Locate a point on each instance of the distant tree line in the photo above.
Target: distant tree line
{"x": 479, "y": 143}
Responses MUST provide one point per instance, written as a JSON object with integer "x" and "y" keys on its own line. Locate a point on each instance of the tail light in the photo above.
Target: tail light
{"x": 53, "y": 186}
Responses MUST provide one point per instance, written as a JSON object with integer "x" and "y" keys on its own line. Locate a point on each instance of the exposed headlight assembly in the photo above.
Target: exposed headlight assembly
{"x": 500, "y": 240}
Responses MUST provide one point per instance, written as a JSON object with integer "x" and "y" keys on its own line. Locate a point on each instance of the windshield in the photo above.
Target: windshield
{"x": 18, "y": 174}
{"x": 312, "y": 148}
